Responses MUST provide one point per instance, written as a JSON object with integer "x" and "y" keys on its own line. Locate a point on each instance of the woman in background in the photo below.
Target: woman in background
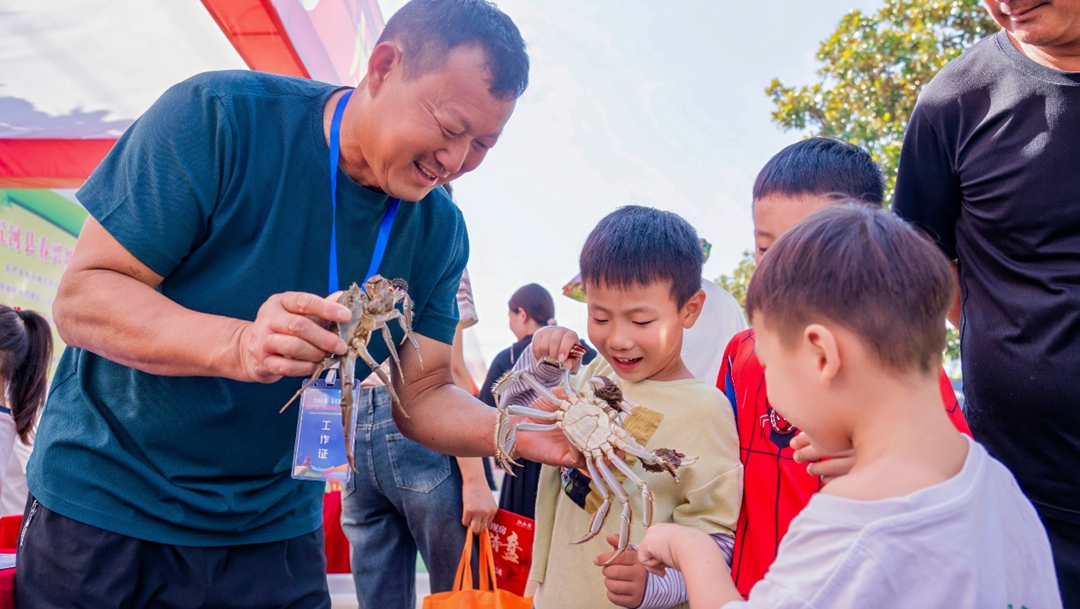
{"x": 531, "y": 308}
{"x": 25, "y": 352}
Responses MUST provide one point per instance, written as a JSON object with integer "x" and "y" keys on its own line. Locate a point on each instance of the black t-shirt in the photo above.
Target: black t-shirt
{"x": 990, "y": 167}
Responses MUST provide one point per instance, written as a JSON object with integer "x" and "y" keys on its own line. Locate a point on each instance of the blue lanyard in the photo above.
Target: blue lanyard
{"x": 388, "y": 216}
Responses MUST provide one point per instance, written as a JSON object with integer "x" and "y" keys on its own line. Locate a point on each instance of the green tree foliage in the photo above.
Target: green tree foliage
{"x": 736, "y": 283}
{"x": 872, "y": 69}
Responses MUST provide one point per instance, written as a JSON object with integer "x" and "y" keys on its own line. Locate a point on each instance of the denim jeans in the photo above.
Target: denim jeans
{"x": 404, "y": 498}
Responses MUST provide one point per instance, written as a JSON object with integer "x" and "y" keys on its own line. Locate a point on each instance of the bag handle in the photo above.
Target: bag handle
{"x": 487, "y": 563}
{"x": 463, "y": 579}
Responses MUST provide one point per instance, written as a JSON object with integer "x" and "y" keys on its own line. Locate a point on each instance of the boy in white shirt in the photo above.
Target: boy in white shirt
{"x": 850, "y": 309}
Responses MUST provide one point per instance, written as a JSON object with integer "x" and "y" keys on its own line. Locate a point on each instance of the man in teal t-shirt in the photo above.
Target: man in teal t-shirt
{"x": 161, "y": 474}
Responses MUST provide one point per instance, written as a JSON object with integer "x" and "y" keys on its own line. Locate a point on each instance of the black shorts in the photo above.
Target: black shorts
{"x": 65, "y": 563}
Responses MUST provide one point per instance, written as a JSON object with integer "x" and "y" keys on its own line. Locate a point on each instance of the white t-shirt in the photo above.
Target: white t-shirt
{"x": 8, "y": 439}
{"x": 971, "y": 541}
{"x": 14, "y": 491}
{"x": 703, "y": 345}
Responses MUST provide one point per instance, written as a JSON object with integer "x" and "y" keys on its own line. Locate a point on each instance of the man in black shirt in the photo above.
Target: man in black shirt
{"x": 991, "y": 169}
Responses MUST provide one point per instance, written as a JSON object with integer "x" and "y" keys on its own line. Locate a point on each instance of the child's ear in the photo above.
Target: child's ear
{"x": 692, "y": 309}
{"x": 385, "y": 58}
{"x": 822, "y": 346}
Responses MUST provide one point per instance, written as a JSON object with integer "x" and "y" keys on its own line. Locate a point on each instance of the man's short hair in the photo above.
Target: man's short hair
{"x": 638, "y": 246}
{"x": 428, "y": 30}
{"x": 822, "y": 166}
{"x": 862, "y": 268}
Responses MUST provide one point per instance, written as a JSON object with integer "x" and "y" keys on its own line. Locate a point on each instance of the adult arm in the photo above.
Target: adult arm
{"x": 954, "y": 313}
{"x": 107, "y": 303}
{"x": 478, "y": 506}
{"x": 446, "y": 419}
{"x": 928, "y": 192}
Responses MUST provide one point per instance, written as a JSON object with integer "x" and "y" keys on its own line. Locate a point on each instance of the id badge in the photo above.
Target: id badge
{"x": 319, "y": 453}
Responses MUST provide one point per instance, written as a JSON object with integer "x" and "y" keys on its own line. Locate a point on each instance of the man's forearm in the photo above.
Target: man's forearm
{"x": 448, "y": 420}
{"x": 130, "y": 323}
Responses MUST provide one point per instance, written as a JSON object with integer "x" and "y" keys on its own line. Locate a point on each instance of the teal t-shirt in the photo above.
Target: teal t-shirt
{"x": 223, "y": 188}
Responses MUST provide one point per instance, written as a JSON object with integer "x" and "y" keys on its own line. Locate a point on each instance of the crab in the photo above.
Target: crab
{"x": 593, "y": 421}
{"x": 373, "y": 307}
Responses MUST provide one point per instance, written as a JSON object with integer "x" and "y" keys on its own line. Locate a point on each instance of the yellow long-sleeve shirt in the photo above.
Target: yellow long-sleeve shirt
{"x": 696, "y": 420}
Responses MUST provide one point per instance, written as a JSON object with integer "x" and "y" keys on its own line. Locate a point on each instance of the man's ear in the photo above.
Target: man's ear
{"x": 692, "y": 309}
{"x": 385, "y": 59}
{"x": 823, "y": 348}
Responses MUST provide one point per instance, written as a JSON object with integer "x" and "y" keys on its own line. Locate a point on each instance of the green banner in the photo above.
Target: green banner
{"x": 38, "y": 229}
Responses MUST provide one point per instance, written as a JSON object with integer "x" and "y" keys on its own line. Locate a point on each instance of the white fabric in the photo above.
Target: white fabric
{"x": 703, "y": 345}
{"x": 79, "y": 69}
{"x": 14, "y": 491}
{"x": 8, "y": 439}
{"x": 971, "y": 541}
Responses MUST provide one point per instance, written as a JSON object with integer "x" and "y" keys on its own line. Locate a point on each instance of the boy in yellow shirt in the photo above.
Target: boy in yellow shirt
{"x": 641, "y": 269}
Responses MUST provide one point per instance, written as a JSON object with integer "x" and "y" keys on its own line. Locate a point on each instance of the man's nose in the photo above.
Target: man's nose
{"x": 452, "y": 158}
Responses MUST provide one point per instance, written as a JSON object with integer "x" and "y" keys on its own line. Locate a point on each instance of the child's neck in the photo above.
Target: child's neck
{"x": 904, "y": 443}
{"x": 674, "y": 371}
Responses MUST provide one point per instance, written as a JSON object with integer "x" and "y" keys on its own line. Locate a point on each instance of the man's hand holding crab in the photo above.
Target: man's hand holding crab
{"x": 564, "y": 345}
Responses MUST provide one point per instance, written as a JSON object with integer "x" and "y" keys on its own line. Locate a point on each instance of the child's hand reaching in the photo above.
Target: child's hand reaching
{"x": 826, "y": 467}
{"x": 695, "y": 553}
{"x": 557, "y": 343}
{"x": 664, "y": 544}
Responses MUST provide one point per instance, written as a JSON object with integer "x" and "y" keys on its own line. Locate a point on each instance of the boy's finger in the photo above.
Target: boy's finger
{"x": 807, "y": 454}
{"x": 831, "y": 468}
{"x": 566, "y": 343}
{"x": 800, "y": 441}
{"x": 613, "y": 541}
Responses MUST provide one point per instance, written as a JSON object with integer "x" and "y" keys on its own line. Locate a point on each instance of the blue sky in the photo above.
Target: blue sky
{"x": 648, "y": 103}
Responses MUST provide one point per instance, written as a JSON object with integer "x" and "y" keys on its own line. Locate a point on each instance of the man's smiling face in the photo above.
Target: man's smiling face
{"x": 1053, "y": 26}
{"x": 421, "y": 132}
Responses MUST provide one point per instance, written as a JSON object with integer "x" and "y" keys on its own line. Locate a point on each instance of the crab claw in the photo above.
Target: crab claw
{"x": 668, "y": 460}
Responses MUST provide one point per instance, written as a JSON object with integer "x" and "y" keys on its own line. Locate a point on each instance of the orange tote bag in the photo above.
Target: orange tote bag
{"x": 487, "y": 595}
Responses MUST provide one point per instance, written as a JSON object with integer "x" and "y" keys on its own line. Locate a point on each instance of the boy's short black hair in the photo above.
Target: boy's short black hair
{"x": 637, "y": 246}
{"x": 862, "y": 268}
{"x": 428, "y": 30}
{"x": 822, "y": 166}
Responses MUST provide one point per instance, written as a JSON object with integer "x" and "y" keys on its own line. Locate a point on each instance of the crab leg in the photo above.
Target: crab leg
{"x": 600, "y": 516}
{"x": 348, "y": 379}
{"x": 392, "y": 348}
{"x": 510, "y": 438}
{"x": 507, "y": 436}
{"x": 646, "y": 495}
{"x": 532, "y": 413}
{"x": 540, "y": 389}
{"x": 566, "y": 382}
{"x": 406, "y": 327}
{"x": 627, "y": 442}
{"x": 323, "y": 366}
{"x": 362, "y": 351}
{"x": 624, "y": 499}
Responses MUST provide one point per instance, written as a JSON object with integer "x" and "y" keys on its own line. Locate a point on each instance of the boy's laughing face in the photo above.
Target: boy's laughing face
{"x": 639, "y": 329}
